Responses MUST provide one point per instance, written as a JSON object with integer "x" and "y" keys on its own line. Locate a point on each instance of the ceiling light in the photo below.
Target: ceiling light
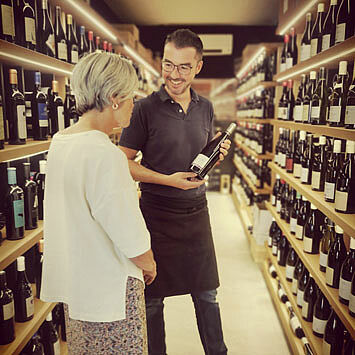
{"x": 244, "y": 69}
{"x": 223, "y": 86}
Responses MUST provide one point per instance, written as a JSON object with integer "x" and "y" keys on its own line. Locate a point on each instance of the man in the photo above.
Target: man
{"x": 171, "y": 127}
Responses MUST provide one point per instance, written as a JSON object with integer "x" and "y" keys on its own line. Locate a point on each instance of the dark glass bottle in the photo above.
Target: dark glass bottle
{"x": 350, "y": 104}
{"x": 320, "y": 100}
{"x": 282, "y": 251}
{"x": 290, "y": 153}
{"x": 291, "y": 262}
{"x": 345, "y": 21}
{"x": 61, "y": 48}
{"x": 280, "y": 196}
{"x": 317, "y": 31}
{"x": 302, "y": 218}
{"x": 352, "y": 298}
{"x": 329, "y": 29}
{"x": 346, "y": 274}
{"x": 56, "y": 110}
{"x": 2, "y": 126}
{"x": 275, "y": 190}
{"x": 333, "y": 335}
{"x": 312, "y": 232}
{"x": 39, "y": 110}
{"x": 290, "y": 101}
{"x": 301, "y": 146}
{"x": 31, "y": 199}
{"x": 307, "y": 162}
{"x": 91, "y": 45}
{"x": 321, "y": 314}
{"x": 296, "y": 275}
{"x": 49, "y": 337}
{"x": 72, "y": 41}
{"x": 83, "y": 45}
{"x": 294, "y": 212}
{"x": 319, "y": 165}
{"x": 272, "y": 271}
{"x": 336, "y": 256}
{"x": 7, "y": 24}
{"x": 306, "y": 39}
{"x": 39, "y": 263}
{"x": 282, "y": 109}
{"x": 40, "y": 180}
{"x": 309, "y": 299}
{"x": 33, "y": 347}
{"x": 272, "y": 230}
{"x": 307, "y": 99}
{"x": 26, "y": 25}
{"x": 7, "y": 312}
{"x": 326, "y": 242}
{"x": 24, "y": 304}
{"x": 70, "y": 114}
{"x": 298, "y": 109}
{"x": 292, "y": 53}
{"x": 276, "y": 241}
{"x": 301, "y": 286}
{"x": 46, "y": 31}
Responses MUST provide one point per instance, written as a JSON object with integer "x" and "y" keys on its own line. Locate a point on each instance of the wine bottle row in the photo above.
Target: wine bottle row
{"x": 325, "y": 163}
{"x": 319, "y": 101}
{"x": 329, "y": 28}
{"x": 258, "y": 137}
{"x": 314, "y": 307}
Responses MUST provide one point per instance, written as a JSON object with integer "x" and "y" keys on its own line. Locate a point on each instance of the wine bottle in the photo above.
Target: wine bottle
{"x": 60, "y": 37}
{"x": 2, "y": 127}
{"x": 301, "y": 286}
{"x": 318, "y": 168}
{"x": 294, "y": 322}
{"x": 302, "y": 218}
{"x": 306, "y": 160}
{"x": 7, "y": 312}
{"x": 294, "y": 213}
{"x": 290, "y": 101}
{"x": 24, "y": 305}
{"x": 40, "y": 180}
{"x": 290, "y": 153}
{"x": 312, "y": 232}
{"x": 346, "y": 274}
{"x": 349, "y": 346}
{"x": 292, "y": 53}
{"x": 272, "y": 271}
{"x": 317, "y": 31}
{"x": 7, "y": 28}
{"x": 329, "y": 29}
{"x": 70, "y": 115}
{"x": 321, "y": 314}
{"x": 345, "y": 185}
{"x": 332, "y": 169}
{"x": 345, "y": 21}
{"x": 275, "y": 190}
{"x": 282, "y": 109}
{"x": 352, "y": 298}
{"x": 296, "y": 275}
{"x": 33, "y": 347}
{"x": 336, "y": 256}
{"x": 209, "y": 156}
{"x": 306, "y": 39}
{"x": 73, "y": 48}
{"x": 337, "y": 98}
{"x": 281, "y": 293}
{"x": 26, "y": 22}
{"x": 104, "y": 46}
{"x": 16, "y": 112}
{"x": 326, "y": 242}
{"x": 279, "y": 196}
{"x": 97, "y": 44}
{"x": 39, "y": 263}
{"x": 309, "y": 299}
{"x": 319, "y": 100}
{"x": 15, "y": 208}
{"x": 39, "y": 110}
{"x": 56, "y": 110}
{"x": 49, "y": 337}
{"x": 284, "y": 201}
{"x": 333, "y": 335}
{"x": 285, "y": 50}
{"x": 276, "y": 241}
{"x": 30, "y": 199}
{"x": 297, "y": 166}
{"x": 307, "y": 100}
{"x": 298, "y": 108}
{"x": 91, "y": 44}
{"x": 291, "y": 262}
{"x": 282, "y": 251}
{"x": 306, "y": 346}
{"x": 272, "y": 230}
{"x": 46, "y": 31}
{"x": 83, "y": 45}
{"x": 350, "y": 104}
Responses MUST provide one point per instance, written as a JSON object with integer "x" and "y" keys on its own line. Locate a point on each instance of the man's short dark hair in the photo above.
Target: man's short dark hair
{"x": 186, "y": 38}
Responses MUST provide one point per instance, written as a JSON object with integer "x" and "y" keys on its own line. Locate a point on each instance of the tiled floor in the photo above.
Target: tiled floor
{"x": 250, "y": 323}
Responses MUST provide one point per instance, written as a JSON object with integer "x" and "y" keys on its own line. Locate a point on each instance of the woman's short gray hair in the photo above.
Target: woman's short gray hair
{"x": 99, "y": 77}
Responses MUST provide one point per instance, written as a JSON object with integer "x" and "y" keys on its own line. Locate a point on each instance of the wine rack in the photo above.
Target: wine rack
{"x": 250, "y": 151}
{"x": 260, "y": 85}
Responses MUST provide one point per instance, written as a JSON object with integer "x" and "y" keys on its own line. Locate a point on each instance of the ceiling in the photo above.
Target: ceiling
{"x": 196, "y": 12}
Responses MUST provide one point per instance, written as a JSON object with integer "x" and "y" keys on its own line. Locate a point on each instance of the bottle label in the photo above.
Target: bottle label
{"x": 74, "y": 57}
{"x": 344, "y": 289}
{"x": 200, "y": 161}
{"x": 314, "y": 45}
{"x": 294, "y": 322}
{"x": 297, "y": 168}
{"x": 269, "y": 242}
{"x": 305, "y": 113}
{"x": 299, "y": 232}
{"x": 60, "y": 112}
{"x": 19, "y": 212}
{"x": 8, "y": 24}
{"x": 282, "y": 67}
{"x": 340, "y": 33}
{"x": 325, "y": 42}
{"x": 21, "y": 119}
{"x": 2, "y": 130}
{"x": 278, "y": 206}
{"x": 305, "y": 52}
{"x": 283, "y": 160}
{"x": 329, "y": 276}
{"x": 307, "y": 244}
{"x": 329, "y": 190}
{"x": 293, "y": 224}
{"x": 341, "y": 200}
{"x": 278, "y": 255}
{"x": 319, "y": 325}
{"x": 289, "y": 164}
{"x": 274, "y": 249}
{"x": 294, "y": 286}
{"x": 282, "y": 113}
{"x": 30, "y": 30}
{"x": 326, "y": 348}
{"x": 323, "y": 259}
{"x": 289, "y": 63}
{"x": 352, "y": 303}
{"x": 304, "y": 175}
{"x": 280, "y": 292}
{"x": 30, "y": 306}
{"x": 305, "y": 309}
{"x": 334, "y": 113}
{"x": 297, "y": 113}
{"x": 273, "y": 200}
{"x": 300, "y": 298}
{"x": 289, "y": 271}
{"x": 62, "y": 51}
{"x": 50, "y": 43}
{"x": 315, "y": 112}
{"x": 43, "y": 117}
{"x": 8, "y": 310}
{"x": 316, "y": 180}
{"x": 350, "y": 115}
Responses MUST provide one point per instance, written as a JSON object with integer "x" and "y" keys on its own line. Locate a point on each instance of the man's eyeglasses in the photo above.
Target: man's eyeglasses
{"x": 183, "y": 69}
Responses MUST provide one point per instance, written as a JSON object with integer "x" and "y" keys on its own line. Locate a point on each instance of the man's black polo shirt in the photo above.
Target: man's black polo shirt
{"x": 168, "y": 138}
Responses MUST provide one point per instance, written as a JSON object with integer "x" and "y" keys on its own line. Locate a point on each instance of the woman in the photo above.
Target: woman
{"x": 97, "y": 249}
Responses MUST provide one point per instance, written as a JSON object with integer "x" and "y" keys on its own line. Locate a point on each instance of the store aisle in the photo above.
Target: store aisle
{"x": 250, "y": 323}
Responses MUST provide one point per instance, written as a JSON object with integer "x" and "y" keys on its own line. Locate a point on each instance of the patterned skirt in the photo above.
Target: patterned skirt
{"x": 126, "y": 336}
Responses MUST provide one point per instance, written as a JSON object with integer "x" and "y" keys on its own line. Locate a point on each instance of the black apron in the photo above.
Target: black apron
{"x": 182, "y": 244}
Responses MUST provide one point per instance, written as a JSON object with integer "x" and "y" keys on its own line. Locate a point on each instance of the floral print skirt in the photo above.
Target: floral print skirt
{"x": 125, "y": 337}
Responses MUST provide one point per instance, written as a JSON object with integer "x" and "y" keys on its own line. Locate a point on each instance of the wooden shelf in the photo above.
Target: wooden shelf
{"x": 249, "y": 182}
{"x": 329, "y": 59}
{"x": 311, "y": 262}
{"x": 295, "y": 343}
{"x": 12, "y": 152}
{"x": 12, "y": 54}
{"x": 345, "y": 221}
{"x": 315, "y": 342}
{"x": 324, "y": 130}
{"x": 24, "y": 331}
{"x": 252, "y": 152}
{"x": 257, "y": 86}
{"x": 256, "y": 120}
{"x": 11, "y": 249}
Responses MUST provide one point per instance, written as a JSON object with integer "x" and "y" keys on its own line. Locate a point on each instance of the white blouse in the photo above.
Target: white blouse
{"x": 92, "y": 226}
